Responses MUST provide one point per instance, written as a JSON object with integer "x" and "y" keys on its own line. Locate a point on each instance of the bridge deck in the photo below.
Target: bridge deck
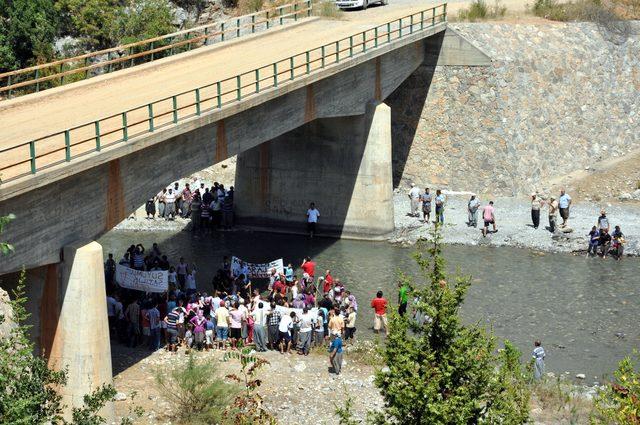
{"x": 34, "y": 116}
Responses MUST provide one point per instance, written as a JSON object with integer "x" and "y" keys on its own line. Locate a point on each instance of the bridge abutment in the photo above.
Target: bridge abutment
{"x": 342, "y": 164}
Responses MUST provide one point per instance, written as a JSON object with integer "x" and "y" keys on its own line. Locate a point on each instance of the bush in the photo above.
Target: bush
{"x": 479, "y": 11}
{"x": 440, "y": 371}
{"x": 250, "y": 6}
{"x": 194, "y": 388}
{"x": 619, "y": 401}
{"x": 327, "y": 9}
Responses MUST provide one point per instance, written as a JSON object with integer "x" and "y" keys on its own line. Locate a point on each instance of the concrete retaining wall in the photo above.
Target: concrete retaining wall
{"x": 557, "y": 98}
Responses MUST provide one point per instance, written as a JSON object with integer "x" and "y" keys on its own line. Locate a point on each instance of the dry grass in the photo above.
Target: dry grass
{"x": 479, "y": 10}
{"x": 559, "y": 401}
{"x": 327, "y": 9}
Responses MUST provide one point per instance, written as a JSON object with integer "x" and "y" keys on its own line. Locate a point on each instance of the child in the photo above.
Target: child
{"x": 594, "y": 240}
{"x": 188, "y": 338}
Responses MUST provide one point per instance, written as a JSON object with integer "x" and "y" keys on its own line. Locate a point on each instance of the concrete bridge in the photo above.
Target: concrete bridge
{"x": 302, "y": 106}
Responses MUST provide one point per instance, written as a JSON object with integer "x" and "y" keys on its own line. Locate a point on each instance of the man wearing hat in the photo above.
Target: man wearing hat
{"x": 536, "y": 204}
{"x": 414, "y": 197}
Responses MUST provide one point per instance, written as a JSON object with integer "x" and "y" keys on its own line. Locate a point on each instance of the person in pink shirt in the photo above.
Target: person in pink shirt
{"x": 489, "y": 218}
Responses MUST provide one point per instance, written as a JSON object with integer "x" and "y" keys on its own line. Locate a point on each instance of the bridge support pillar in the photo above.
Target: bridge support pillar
{"x": 342, "y": 164}
{"x": 78, "y": 339}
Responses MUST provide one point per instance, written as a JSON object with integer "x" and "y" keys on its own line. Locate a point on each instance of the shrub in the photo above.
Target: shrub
{"x": 619, "y": 401}
{"x": 440, "y": 371}
{"x": 194, "y": 388}
{"x": 478, "y": 10}
{"x": 327, "y": 9}
{"x": 250, "y": 6}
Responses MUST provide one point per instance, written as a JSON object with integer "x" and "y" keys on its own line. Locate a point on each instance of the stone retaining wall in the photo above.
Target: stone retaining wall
{"x": 556, "y": 98}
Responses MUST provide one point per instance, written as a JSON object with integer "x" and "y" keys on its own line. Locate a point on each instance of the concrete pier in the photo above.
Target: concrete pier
{"x": 80, "y": 340}
{"x": 342, "y": 164}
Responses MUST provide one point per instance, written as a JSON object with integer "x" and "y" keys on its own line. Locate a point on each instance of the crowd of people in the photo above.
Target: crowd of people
{"x": 602, "y": 241}
{"x": 291, "y": 312}
{"x": 209, "y": 208}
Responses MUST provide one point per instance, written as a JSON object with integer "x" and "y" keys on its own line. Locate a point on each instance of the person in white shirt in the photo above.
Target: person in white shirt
{"x": 414, "y": 197}
{"x": 304, "y": 335}
{"x": 259, "y": 315}
{"x": 312, "y": 219}
{"x": 284, "y": 327}
{"x": 190, "y": 280}
{"x": 170, "y": 207}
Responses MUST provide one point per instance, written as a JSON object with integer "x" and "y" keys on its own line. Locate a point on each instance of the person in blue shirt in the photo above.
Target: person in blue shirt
{"x": 564, "y": 202}
{"x": 594, "y": 241}
{"x": 335, "y": 354}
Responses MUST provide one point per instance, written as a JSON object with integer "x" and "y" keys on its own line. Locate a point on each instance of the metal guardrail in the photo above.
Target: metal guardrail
{"x": 69, "y": 70}
{"x": 64, "y": 146}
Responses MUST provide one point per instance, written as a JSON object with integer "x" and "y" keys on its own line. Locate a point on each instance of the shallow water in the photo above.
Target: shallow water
{"x": 573, "y": 304}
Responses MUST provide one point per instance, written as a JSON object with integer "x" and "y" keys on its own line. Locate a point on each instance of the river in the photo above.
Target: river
{"x": 584, "y": 310}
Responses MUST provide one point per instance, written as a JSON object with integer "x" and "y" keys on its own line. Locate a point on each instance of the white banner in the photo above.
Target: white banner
{"x": 153, "y": 281}
{"x": 255, "y": 270}
{"x": 287, "y": 311}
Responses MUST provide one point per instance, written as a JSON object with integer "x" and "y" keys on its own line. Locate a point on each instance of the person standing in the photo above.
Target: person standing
{"x": 426, "y": 206}
{"x": 489, "y": 218}
{"x": 170, "y": 206}
{"x": 618, "y": 243}
{"x": 538, "y": 355}
{"x": 350, "y": 326}
{"x": 336, "y": 323}
{"x": 304, "y": 335}
{"x": 259, "y": 327}
{"x": 335, "y": 355}
{"x": 379, "y": 305}
{"x": 536, "y": 204}
{"x": 440, "y": 200}
{"x": 273, "y": 320}
{"x": 309, "y": 267}
{"x": 109, "y": 270}
{"x": 553, "y": 213}
{"x": 312, "y": 219}
{"x": 603, "y": 221}
{"x": 403, "y": 298}
{"x": 284, "y": 329}
{"x": 564, "y": 203}
{"x": 153, "y": 316}
{"x": 161, "y": 200}
{"x": 472, "y": 209}
{"x": 223, "y": 319}
{"x": 414, "y": 198}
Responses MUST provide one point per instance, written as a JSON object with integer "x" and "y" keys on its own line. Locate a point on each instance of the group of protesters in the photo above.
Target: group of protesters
{"x": 293, "y": 312}
{"x": 602, "y": 241}
{"x": 208, "y": 208}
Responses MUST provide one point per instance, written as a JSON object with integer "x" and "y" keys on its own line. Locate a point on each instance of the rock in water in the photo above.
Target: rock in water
{"x": 581, "y": 376}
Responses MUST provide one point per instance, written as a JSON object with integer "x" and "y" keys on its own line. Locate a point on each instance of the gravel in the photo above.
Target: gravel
{"x": 513, "y": 219}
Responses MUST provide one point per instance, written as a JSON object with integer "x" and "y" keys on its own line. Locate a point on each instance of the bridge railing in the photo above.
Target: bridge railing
{"x": 75, "y": 142}
{"x": 69, "y": 70}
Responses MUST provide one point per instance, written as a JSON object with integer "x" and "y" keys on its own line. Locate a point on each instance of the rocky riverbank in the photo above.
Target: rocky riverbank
{"x": 299, "y": 390}
{"x": 515, "y": 228}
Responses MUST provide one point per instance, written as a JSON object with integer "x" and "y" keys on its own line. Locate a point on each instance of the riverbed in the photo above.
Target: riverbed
{"x": 584, "y": 310}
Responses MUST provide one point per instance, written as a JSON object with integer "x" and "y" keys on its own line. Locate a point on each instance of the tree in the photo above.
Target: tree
{"x": 619, "y": 401}
{"x": 28, "y": 387}
{"x": 441, "y": 371}
{"x": 94, "y": 22}
{"x": 144, "y": 19}
{"x": 27, "y": 32}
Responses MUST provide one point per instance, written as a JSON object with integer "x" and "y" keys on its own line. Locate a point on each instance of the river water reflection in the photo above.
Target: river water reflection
{"x": 584, "y": 310}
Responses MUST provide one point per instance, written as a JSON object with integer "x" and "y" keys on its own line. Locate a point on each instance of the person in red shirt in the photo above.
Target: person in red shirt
{"x": 280, "y": 286}
{"x": 379, "y": 304}
{"x": 309, "y": 267}
{"x": 328, "y": 282}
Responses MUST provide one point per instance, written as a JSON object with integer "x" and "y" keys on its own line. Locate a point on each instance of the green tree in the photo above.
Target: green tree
{"x": 144, "y": 19}
{"x": 441, "y": 371}
{"x": 619, "y": 401}
{"x": 27, "y": 31}
{"x": 94, "y": 22}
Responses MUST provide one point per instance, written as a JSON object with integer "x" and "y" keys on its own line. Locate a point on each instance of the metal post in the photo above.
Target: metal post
{"x": 258, "y": 80}
{"x": 275, "y": 74}
{"x": 131, "y": 64}
{"x": 350, "y": 46}
{"x": 219, "y": 95}
{"x": 267, "y": 16}
{"x": 174, "y": 100}
{"x": 222, "y": 31}
{"x": 125, "y": 131}
{"x": 291, "y": 68}
{"x": 9, "y": 85}
{"x": 32, "y": 156}
{"x": 364, "y": 42}
{"x": 388, "y": 32}
{"x": 59, "y": 72}
{"x": 238, "y": 28}
{"x": 375, "y": 37}
{"x": 400, "y": 29}
{"x": 295, "y": 11}
{"x": 97, "y": 125}
{"x": 280, "y": 13}
{"x": 422, "y": 20}
{"x": 86, "y": 71}
{"x": 308, "y": 62}
{"x": 322, "y": 54}
{"x": 37, "y": 82}
{"x": 67, "y": 146}
{"x": 189, "y": 41}
{"x": 197, "y": 103}
{"x": 152, "y": 54}
{"x": 433, "y": 19}
{"x": 238, "y": 88}
{"x": 411, "y": 24}
{"x": 253, "y": 24}
{"x": 150, "y": 107}
{"x": 206, "y": 36}
{"x": 110, "y": 68}
{"x": 444, "y": 11}
{"x": 308, "y": 5}
{"x": 337, "y": 51}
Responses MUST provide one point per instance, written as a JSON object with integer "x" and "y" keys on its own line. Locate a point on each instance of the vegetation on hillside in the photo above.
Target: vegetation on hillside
{"x": 479, "y": 10}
